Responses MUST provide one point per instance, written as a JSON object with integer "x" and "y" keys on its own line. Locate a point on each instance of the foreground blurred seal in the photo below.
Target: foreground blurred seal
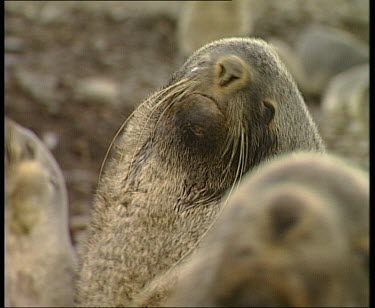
{"x": 295, "y": 234}
{"x": 229, "y": 107}
{"x": 40, "y": 262}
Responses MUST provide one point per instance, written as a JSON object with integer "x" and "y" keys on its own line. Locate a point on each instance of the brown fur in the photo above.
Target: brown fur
{"x": 39, "y": 258}
{"x": 231, "y": 106}
{"x": 295, "y": 234}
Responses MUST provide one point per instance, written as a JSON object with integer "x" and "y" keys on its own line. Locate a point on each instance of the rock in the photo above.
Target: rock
{"x": 345, "y": 114}
{"x": 40, "y": 87}
{"x": 119, "y": 10}
{"x": 53, "y": 12}
{"x": 27, "y": 9}
{"x": 46, "y": 12}
{"x": 97, "y": 90}
{"x": 51, "y": 140}
{"x": 14, "y": 44}
{"x": 325, "y": 52}
{"x": 10, "y": 60}
{"x": 319, "y": 54}
{"x": 286, "y": 17}
{"x": 200, "y": 22}
{"x": 348, "y": 15}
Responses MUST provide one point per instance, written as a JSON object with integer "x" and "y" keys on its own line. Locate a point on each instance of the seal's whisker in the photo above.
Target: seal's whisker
{"x": 246, "y": 150}
{"x": 243, "y": 156}
{"x": 227, "y": 145}
{"x": 236, "y": 139}
{"x": 152, "y": 111}
{"x": 236, "y": 143}
{"x": 230, "y": 143}
{"x": 228, "y": 166}
{"x": 148, "y": 100}
{"x": 233, "y": 139}
{"x": 163, "y": 112}
{"x": 220, "y": 210}
{"x": 237, "y": 174}
{"x": 170, "y": 93}
{"x": 176, "y": 95}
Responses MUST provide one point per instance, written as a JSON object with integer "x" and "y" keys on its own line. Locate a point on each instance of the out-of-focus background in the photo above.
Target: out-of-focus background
{"x": 74, "y": 70}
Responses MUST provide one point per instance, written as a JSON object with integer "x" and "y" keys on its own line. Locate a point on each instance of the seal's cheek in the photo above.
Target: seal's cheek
{"x": 200, "y": 121}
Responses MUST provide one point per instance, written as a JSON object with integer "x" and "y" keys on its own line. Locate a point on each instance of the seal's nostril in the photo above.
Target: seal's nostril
{"x": 229, "y": 69}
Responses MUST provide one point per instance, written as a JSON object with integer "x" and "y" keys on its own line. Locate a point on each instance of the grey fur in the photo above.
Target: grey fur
{"x": 295, "y": 234}
{"x": 162, "y": 190}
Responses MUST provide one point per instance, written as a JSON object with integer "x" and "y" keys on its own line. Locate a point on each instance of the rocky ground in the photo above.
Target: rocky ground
{"x": 73, "y": 74}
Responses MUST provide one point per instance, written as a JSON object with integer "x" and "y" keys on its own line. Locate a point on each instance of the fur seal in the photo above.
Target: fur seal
{"x": 231, "y": 106}
{"x": 295, "y": 234}
{"x": 40, "y": 261}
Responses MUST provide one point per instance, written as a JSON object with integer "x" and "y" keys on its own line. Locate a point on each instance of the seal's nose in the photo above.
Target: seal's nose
{"x": 230, "y": 69}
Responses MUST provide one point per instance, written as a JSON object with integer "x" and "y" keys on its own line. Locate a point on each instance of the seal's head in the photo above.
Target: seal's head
{"x": 295, "y": 234}
{"x": 36, "y": 224}
{"x": 229, "y": 107}
{"x": 34, "y": 182}
{"x": 232, "y": 104}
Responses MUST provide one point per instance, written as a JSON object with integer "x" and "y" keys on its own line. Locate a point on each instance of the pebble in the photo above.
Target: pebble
{"x": 345, "y": 114}
{"x": 51, "y": 140}
{"x": 325, "y": 52}
{"x": 200, "y": 22}
{"x": 97, "y": 90}
{"x": 41, "y": 87}
{"x": 319, "y": 54}
{"x": 54, "y": 12}
{"x": 14, "y": 44}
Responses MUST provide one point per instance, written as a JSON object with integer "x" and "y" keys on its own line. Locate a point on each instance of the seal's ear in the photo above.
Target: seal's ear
{"x": 268, "y": 110}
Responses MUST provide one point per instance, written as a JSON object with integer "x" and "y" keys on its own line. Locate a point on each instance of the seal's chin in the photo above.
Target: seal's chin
{"x": 199, "y": 120}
